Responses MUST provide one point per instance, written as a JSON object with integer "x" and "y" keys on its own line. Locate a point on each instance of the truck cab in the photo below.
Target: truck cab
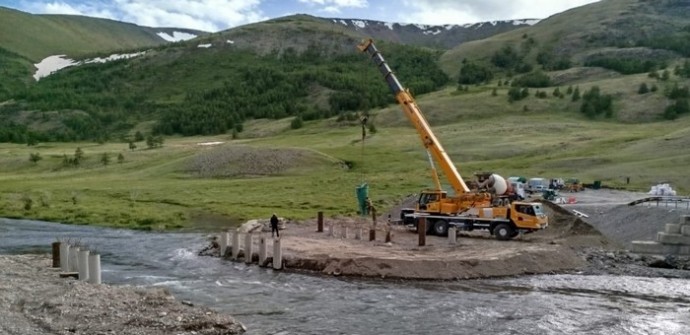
{"x": 523, "y": 217}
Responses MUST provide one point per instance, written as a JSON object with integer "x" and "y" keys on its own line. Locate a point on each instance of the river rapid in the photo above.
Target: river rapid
{"x": 274, "y": 302}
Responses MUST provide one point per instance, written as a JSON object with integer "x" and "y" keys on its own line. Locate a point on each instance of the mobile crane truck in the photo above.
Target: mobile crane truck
{"x": 486, "y": 208}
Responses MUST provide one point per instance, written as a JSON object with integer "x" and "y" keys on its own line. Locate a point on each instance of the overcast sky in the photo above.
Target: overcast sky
{"x": 215, "y": 15}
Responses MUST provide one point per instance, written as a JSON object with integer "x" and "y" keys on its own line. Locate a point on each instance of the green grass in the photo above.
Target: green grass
{"x": 151, "y": 189}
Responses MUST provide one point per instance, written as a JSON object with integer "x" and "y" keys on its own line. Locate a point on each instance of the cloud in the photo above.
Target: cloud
{"x": 207, "y": 15}
{"x": 60, "y": 7}
{"x": 335, "y": 6}
{"x": 470, "y": 11}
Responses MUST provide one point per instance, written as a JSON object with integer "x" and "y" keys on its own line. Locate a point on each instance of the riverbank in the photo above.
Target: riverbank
{"x": 34, "y": 300}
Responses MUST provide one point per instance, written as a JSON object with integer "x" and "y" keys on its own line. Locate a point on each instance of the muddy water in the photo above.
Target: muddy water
{"x": 270, "y": 302}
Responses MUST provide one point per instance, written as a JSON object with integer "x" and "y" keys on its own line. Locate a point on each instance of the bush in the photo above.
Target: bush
{"x": 35, "y": 157}
{"x": 506, "y": 58}
{"x": 533, "y": 79}
{"x": 625, "y": 66}
{"x": 372, "y": 128}
{"x": 472, "y": 73}
{"x": 680, "y": 107}
{"x": 297, "y": 122}
{"x": 594, "y": 103}
{"x": 515, "y": 94}
{"x": 678, "y": 92}
{"x": 643, "y": 89}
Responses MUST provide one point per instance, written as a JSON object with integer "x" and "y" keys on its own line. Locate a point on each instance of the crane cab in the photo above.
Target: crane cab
{"x": 431, "y": 201}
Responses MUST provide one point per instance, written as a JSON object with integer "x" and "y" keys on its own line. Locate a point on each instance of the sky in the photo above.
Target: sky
{"x": 216, "y": 15}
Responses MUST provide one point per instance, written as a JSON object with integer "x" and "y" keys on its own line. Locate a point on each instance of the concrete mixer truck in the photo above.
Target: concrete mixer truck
{"x": 487, "y": 207}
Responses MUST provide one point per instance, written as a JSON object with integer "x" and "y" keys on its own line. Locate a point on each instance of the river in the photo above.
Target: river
{"x": 273, "y": 302}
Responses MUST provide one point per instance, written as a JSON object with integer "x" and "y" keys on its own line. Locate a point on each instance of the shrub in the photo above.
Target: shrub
{"x": 514, "y": 94}
{"x": 533, "y": 79}
{"x": 105, "y": 158}
{"x": 297, "y": 122}
{"x": 472, "y": 73}
{"x": 576, "y": 94}
{"x": 35, "y": 157}
{"x": 594, "y": 103}
{"x": 643, "y": 89}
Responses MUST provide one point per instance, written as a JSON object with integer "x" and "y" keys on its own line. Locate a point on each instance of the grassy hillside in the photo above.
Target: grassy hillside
{"x": 299, "y": 172}
{"x": 15, "y": 73}
{"x": 38, "y": 36}
{"x": 621, "y": 29}
{"x": 311, "y": 72}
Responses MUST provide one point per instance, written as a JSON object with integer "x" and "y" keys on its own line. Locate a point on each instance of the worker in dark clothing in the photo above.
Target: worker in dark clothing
{"x": 274, "y": 225}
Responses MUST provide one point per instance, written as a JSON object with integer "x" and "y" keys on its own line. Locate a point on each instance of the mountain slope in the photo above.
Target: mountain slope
{"x": 294, "y": 66}
{"x": 621, "y": 29}
{"x": 443, "y": 36}
{"x": 39, "y": 36}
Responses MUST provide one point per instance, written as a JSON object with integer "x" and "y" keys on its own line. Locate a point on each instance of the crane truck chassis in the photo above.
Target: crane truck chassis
{"x": 486, "y": 208}
{"x": 502, "y": 222}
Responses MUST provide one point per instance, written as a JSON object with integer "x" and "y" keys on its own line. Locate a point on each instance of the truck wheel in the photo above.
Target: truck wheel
{"x": 441, "y": 228}
{"x": 503, "y": 232}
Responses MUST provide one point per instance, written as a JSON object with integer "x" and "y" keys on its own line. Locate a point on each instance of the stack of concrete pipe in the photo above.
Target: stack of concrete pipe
{"x": 75, "y": 259}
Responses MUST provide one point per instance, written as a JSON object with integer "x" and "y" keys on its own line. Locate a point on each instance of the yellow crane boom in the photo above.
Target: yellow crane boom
{"x": 409, "y": 106}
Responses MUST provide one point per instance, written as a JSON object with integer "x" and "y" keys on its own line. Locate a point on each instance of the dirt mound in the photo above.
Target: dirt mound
{"x": 564, "y": 223}
{"x": 234, "y": 160}
{"x": 624, "y": 224}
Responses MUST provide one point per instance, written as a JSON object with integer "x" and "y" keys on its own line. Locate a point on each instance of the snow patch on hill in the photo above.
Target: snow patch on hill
{"x": 430, "y": 29}
{"x": 52, "y": 64}
{"x": 176, "y": 36}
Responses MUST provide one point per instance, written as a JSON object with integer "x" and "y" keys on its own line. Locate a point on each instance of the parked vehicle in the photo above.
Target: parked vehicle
{"x": 535, "y": 185}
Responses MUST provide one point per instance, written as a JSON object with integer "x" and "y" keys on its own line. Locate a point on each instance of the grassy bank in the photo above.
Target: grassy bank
{"x": 296, "y": 173}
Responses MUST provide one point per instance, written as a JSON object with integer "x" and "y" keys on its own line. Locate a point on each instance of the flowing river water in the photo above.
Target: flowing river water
{"x": 273, "y": 302}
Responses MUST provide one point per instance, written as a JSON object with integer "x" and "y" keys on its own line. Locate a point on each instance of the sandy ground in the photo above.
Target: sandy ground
{"x": 595, "y": 244}
{"x": 34, "y": 300}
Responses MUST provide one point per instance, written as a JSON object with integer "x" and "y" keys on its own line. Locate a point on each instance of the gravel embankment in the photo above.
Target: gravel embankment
{"x": 34, "y": 300}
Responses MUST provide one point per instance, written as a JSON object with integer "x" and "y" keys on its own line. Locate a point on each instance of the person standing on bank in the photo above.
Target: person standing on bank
{"x": 274, "y": 225}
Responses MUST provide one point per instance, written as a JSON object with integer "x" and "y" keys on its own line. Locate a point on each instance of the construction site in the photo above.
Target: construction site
{"x": 605, "y": 231}
{"x": 489, "y": 226}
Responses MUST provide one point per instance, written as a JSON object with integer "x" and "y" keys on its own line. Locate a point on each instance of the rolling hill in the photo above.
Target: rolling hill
{"x": 294, "y": 87}
{"x": 38, "y": 36}
{"x": 633, "y": 30}
{"x": 307, "y": 68}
